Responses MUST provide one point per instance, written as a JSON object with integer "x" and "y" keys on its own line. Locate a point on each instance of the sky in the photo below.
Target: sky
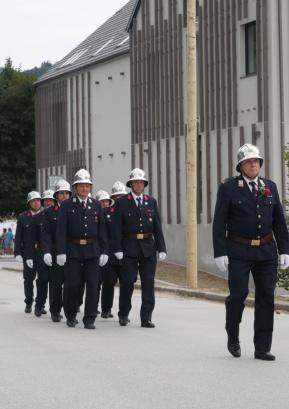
{"x": 33, "y": 31}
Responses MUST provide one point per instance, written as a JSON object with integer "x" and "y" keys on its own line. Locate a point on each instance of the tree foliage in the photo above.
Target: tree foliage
{"x": 17, "y": 140}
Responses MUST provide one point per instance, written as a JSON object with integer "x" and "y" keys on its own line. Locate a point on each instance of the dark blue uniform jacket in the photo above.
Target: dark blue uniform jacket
{"x": 23, "y": 230}
{"x": 239, "y": 213}
{"x": 129, "y": 220}
{"x": 48, "y": 231}
{"x": 74, "y": 223}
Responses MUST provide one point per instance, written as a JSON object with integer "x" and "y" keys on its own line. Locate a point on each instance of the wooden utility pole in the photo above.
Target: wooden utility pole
{"x": 191, "y": 160}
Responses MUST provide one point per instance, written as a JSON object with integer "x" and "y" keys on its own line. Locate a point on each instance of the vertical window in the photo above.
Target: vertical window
{"x": 250, "y": 48}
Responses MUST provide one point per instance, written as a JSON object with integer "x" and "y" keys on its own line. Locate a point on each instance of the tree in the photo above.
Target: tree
{"x": 17, "y": 140}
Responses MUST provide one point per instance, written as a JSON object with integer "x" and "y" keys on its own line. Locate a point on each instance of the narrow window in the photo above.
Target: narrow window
{"x": 250, "y": 48}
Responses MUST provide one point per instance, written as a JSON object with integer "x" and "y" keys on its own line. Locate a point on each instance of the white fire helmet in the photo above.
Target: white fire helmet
{"x": 33, "y": 195}
{"x": 82, "y": 176}
{"x": 118, "y": 188}
{"x": 62, "y": 186}
{"x": 248, "y": 151}
{"x": 103, "y": 195}
{"x": 48, "y": 194}
{"x": 137, "y": 174}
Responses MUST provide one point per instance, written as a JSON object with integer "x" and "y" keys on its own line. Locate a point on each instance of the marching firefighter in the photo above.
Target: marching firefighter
{"x": 105, "y": 202}
{"x": 48, "y": 243}
{"x": 111, "y": 271}
{"x": 82, "y": 247}
{"x": 137, "y": 236}
{"x": 23, "y": 231}
{"x": 248, "y": 229}
{"x": 35, "y": 251}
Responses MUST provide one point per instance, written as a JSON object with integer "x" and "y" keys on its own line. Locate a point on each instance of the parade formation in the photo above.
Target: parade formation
{"x": 77, "y": 247}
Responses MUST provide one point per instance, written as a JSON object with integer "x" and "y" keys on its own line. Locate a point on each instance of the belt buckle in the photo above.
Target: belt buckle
{"x": 82, "y": 242}
{"x": 255, "y": 242}
{"x": 139, "y": 236}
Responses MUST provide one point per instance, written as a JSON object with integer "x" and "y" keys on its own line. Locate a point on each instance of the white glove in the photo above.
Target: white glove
{"x": 119, "y": 255}
{"x": 284, "y": 261}
{"x": 29, "y": 262}
{"x": 61, "y": 259}
{"x": 47, "y": 259}
{"x": 222, "y": 263}
{"x": 103, "y": 259}
{"x": 162, "y": 256}
{"x": 19, "y": 258}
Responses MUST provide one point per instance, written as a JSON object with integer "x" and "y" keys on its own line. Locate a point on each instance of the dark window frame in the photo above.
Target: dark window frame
{"x": 248, "y": 49}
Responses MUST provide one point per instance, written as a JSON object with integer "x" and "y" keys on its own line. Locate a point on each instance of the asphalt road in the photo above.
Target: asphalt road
{"x": 181, "y": 364}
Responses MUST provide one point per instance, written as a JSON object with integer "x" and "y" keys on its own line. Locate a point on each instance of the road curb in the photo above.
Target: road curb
{"x": 205, "y": 295}
{"x": 187, "y": 292}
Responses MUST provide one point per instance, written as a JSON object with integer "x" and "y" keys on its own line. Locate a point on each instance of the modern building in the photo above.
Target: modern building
{"x": 131, "y": 108}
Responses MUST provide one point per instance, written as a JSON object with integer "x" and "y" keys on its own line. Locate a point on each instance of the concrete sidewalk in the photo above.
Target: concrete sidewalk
{"x": 9, "y": 264}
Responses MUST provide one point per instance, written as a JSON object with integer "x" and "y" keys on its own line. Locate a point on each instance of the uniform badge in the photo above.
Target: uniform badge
{"x": 89, "y": 207}
{"x": 241, "y": 183}
{"x": 146, "y": 203}
{"x": 108, "y": 216}
{"x": 150, "y": 219}
{"x": 74, "y": 200}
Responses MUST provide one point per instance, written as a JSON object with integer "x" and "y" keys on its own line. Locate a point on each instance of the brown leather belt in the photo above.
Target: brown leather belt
{"x": 139, "y": 236}
{"x": 251, "y": 242}
{"x": 83, "y": 242}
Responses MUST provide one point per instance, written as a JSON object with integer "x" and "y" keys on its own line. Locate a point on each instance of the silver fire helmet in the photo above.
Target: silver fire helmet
{"x": 82, "y": 176}
{"x": 62, "y": 186}
{"x": 118, "y": 188}
{"x": 248, "y": 151}
{"x": 33, "y": 195}
{"x": 137, "y": 174}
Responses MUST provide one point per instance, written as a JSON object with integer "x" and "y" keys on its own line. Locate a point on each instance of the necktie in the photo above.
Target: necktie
{"x": 254, "y": 188}
{"x": 83, "y": 205}
{"x": 138, "y": 203}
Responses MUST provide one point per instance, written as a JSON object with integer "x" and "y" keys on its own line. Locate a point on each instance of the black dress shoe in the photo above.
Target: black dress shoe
{"x": 106, "y": 314}
{"x": 265, "y": 356}
{"x": 89, "y": 325}
{"x": 147, "y": 324}
{"x": 71, "y": 323}
{"x": 43, "y": 311}
{"x": 37, "y": 312}
{"x": 75, "y": 320}
{"x": 28, "y": 309}
{"x": 56, "y": 317}
{"x": 234, "y": 348}
{"x": 123, "y": 321}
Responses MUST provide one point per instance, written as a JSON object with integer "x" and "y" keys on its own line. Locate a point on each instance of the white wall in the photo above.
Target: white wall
{"x": 110, "y": 122}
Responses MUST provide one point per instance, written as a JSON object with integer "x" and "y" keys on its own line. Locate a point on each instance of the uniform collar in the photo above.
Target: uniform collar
{"x": 256, "y": 179}
{"x": 135, "y": 197}
{"x": 82, "y": 200}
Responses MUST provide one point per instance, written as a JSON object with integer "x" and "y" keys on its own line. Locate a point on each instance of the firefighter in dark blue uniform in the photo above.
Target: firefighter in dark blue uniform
{"x": 248, "y": 229}
{"x": 111, "y": 271}
{"x": 82, "y": 247}
{"x": 137, "y": 236}
{"x": 21, "y": 245}
{"x": 35, "y": 254}
{"x": 105, "y": 201}
{"x": 48, "y": 243}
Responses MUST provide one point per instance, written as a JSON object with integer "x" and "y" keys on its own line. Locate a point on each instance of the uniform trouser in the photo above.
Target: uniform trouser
{"x": 110, "y": 274}
{"x": 56, "y": 279}
{"x": 75, "y": 271}
{"x": 146, "y": 267}
{"x": 265, "y": 277}
{"x": 29, "y": 275}
{"x": 41, "y": 283}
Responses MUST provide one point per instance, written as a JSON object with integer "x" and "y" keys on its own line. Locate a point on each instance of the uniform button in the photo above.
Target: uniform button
{"x": 258, "y": 237}
{"x": 85, "y": 234}
{"x": 85, "y": 225}
{"x": 259, "y": 227}
{"x": 140, "y": 219}
{"x": 259, "y": 216}
{"x": 140, "y": 225}
{"x": 258, "y": 206}
{"x": 141, "y": 231}
{"x": 85, "y": 217}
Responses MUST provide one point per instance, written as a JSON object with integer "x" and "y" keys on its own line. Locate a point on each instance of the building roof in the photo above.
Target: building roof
{"x": 109, "y": 40}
